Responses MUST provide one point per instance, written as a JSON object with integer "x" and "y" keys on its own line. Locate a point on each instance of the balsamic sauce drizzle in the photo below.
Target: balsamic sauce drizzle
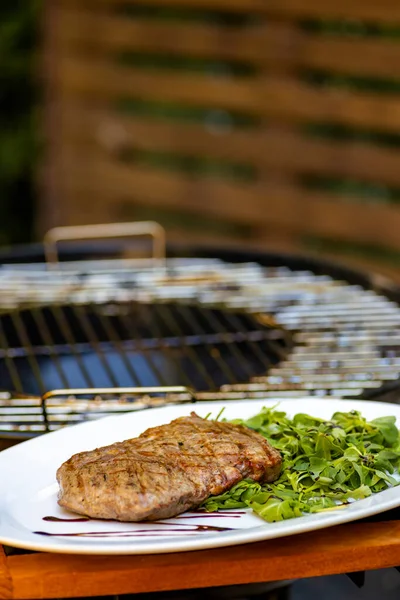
{"x": 167, "y": 528}
{"x": 139, "y": 532}
{"x": 60, "y": 520}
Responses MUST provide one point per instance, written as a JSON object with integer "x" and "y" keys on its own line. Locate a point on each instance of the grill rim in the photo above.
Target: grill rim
{"x": 319, "y": 265}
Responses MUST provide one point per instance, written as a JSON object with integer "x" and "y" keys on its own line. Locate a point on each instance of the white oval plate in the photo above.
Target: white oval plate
{"x": 29, "y": 489}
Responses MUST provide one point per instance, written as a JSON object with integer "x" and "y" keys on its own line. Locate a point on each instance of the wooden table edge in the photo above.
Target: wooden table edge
{"x": 346, "y": 548}
{"x": 6, "y": 588}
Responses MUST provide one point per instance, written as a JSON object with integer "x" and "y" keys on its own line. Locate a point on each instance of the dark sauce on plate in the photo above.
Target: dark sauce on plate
{"x": 166, "y": 529}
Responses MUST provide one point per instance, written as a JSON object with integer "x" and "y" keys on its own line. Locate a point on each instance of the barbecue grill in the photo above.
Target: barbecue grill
{"x": 86, "y": 331}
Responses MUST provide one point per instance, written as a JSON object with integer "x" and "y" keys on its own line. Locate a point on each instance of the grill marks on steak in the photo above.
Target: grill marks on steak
{"x": 165, "y": 471}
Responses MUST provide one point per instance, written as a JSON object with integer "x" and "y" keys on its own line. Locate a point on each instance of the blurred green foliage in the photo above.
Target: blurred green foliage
{"x": 18, "y": 96}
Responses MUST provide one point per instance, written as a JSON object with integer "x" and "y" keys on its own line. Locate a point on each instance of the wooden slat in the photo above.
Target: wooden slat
{"x": 142, "y": 185}
{"x": 384, "y": 11}
{"x": 268, "y": 44}
{"x": 300, "y": 154}
{"x": 362, "y": 57}
{"x": 335, "y": 217}
{"x": 268, "y": 148}
{"x": 282, "y": 98}
{"x": 196, "y": 233}
{"x": 292, "y": 100}
{"x": 6, "y": 589}
{"x": 96, "y": 79}
{"x": 84, "y": 207}
{"x": 353, "y": 547}
{"x": 113, "y": 33}
{"x": 289, "y": 207}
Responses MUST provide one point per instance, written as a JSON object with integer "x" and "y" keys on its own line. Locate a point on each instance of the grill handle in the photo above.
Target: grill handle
{"x": 172, "y": 393}
{"x": 120, "y": 391}
{"x": 106, "y": 231}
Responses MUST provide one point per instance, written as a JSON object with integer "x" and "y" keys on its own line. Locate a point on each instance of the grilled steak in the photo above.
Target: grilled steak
{"x": 165, "y": 471}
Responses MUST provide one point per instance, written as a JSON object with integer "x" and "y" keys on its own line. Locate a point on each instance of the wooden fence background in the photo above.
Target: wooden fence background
{"x": 274, "y": 122}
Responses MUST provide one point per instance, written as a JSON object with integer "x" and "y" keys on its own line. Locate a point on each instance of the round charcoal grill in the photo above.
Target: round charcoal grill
{"x": 90, "y": 337}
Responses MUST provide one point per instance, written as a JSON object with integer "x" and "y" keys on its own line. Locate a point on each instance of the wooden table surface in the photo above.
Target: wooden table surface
{"x": 343, "y": 549}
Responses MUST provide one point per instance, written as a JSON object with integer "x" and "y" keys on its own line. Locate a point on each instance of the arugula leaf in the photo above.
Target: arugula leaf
{"x": 324, "y": 446}
{"x": 326, "y": 464}
{"x": 387, "y": 427}
{"x": 317, "y": 465}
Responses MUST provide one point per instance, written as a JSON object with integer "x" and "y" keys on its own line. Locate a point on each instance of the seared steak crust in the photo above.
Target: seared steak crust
{"x": 165, "y": 471}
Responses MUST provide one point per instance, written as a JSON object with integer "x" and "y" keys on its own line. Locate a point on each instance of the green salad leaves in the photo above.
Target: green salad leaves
{"x": 326, "y": 464}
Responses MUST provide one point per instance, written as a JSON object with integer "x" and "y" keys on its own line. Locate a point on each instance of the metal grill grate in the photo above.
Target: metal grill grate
{"x": 133, "y": 344}
{"x": 217, "y": 328}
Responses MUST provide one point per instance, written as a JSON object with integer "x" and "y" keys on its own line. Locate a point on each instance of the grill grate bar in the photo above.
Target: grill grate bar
{"x": 40, "y": 321}
{"x": 334, "y": 361}
{"x": 324, "y": 353}
{"x": 233, "y": 350}
{"x": 384, "y": 372}
{"x": 24, "y": 338}
{"x": 168, "y": 317}
{"x": 117, "y": 343}
{"x": 88, "y": 329}
{"x": 147, "y": 344}
{"x": 324, "y": 378}
{"x": 11, "y": 368}
{"x": 139, "y": 346}
{"x": 65, "y": 329}
{"x": 311, "y": 385}
{"x": 238, "y": 325}
{"x": 358, "y": 342}
{"x": 340, "y": 310}
{"x": 211, "y": 343}
{"x": 167, "y": 349}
